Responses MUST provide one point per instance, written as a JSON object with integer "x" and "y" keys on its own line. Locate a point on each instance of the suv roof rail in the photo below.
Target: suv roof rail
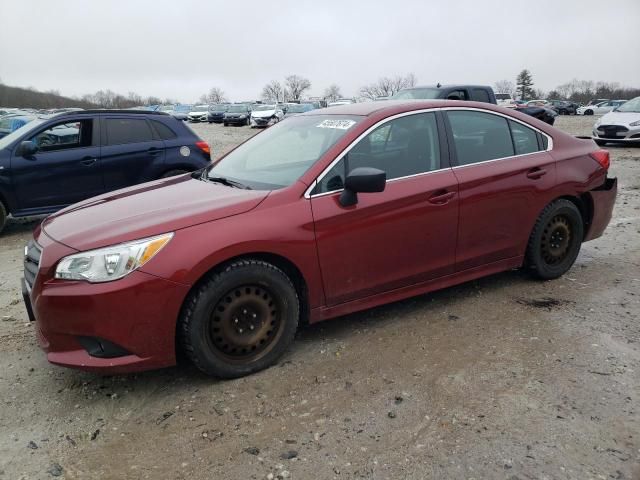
{"x": 113, "y": 110}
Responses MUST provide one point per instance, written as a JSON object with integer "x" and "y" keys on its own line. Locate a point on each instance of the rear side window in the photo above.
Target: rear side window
{"x": 525, "y": 140}
{"x": 127, "y": 130}
{"x": 480, "y": 95}
{"x": 65, "y": 135}
{"x": 479, "y": 136}
{"x": 164, "y": 132}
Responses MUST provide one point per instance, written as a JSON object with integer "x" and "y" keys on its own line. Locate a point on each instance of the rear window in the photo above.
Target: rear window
{"x": 480, "y": 95}
{"x": 164, "y": 132}
{"x": 127, "y": 130}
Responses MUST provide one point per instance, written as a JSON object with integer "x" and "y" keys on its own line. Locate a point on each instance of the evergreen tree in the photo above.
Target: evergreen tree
{"x": 524, "y": 83}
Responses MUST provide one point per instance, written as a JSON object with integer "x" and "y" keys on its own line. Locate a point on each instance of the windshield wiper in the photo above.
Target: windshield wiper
{"x": 227, "y": 182}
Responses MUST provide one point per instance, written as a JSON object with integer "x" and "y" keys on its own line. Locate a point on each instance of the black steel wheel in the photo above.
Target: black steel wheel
{"x": 555, "y": 241}
{"x": 239, "y": 320}
{"x": 3, "y": 216}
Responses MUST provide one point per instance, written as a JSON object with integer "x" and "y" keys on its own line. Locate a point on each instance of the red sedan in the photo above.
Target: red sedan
{"x": 326, "y": 213}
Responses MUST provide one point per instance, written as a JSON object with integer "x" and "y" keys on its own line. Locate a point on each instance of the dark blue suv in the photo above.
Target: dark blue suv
{"x": 57, "y": 160}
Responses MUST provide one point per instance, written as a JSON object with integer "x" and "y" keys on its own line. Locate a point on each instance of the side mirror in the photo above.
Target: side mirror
{"x": 362, "y": 179}
{"x": 28, "y": 148}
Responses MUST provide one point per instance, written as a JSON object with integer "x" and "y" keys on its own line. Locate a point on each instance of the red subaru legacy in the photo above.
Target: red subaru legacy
{"x": 326, "y": 213}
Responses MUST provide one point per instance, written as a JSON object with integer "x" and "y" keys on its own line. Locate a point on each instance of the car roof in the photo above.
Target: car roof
{"x": 369, "y": 108}
{"x": 452, "y": 85}
{"x": 110, "y": 110}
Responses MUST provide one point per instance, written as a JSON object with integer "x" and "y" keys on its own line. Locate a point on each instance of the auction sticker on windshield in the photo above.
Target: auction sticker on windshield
{"x": 339, "y": 124}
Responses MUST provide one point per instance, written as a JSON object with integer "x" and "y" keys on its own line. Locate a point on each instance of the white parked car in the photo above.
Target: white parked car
{"x": 600, "y": 108}
{"x": 505, "y": 100}
{"x": 265, "y": 115}
{"x": 341, "y": 101}
{"x": 198, "y": 113}
{"x": 621, "y": 126}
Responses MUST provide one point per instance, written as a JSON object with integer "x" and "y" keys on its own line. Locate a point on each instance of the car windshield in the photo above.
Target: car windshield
{"x": 417, "y": 94}
{"x": 218, "y": 108}
{"x": 166, "y": 108}
{"x": 237, "y": 109}
{"x": 632, "y": 105}
{"x": 264, "y": 108}
{"x": 200, "y": 108}
{"x": 299, "y": 108}
{"x": 277, "y": 157}
{"x": 183, "y": 108}
{"x": 6, "y": 141}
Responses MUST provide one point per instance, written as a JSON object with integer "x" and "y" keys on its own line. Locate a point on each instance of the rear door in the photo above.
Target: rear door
{"x": 64, "y": 170}
{"x": 395, "y": 238}
{"x": 505, "y": 177}
{"x": 131, "y": 152}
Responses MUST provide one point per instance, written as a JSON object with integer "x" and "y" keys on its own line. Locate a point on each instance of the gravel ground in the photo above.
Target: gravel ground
{"x": 503, "y": 378}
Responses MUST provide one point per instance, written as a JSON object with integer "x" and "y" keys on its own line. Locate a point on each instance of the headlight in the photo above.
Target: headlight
{"x": 635, "y": 124}
{"x": 243, "y": 116}
{"x": 110, "y": 263}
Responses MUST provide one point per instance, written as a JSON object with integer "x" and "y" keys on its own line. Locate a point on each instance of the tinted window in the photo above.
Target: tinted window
{"x": 525, "y": 140}
{"x": 479, "y": 136}
{"x": 480, "y": 95}
{"x": 62, "y": 136}
{"x": 402, "y": 147}
{"x": 127, "y": 130}
{"x": 164, "y": 132}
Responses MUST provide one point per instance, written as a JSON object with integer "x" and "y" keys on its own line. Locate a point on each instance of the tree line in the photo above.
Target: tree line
{"x": 580, "y": 91}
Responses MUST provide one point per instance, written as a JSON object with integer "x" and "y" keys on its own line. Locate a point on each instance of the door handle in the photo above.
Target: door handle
{"x": 88, "y": 161}
{"x": 154, "y": 151}
{"x": 536, "y": 173}
{"x": 440, "y": 197}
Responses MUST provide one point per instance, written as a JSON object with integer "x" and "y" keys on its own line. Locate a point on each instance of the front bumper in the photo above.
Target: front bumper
{"x": 235, "y": 121}
{"x": 603, "y": 199}
{"x": 136, "y": 316}
{"x": 616, "y": 133}
{"x": 262, "y": 121}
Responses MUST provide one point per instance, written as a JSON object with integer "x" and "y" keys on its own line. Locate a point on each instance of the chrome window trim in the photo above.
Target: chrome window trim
{"x": 307, "y": 193}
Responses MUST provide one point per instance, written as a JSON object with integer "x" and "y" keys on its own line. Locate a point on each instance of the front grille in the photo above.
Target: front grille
{"x": 31, "y": 262}
{"x": 611, "y": 131}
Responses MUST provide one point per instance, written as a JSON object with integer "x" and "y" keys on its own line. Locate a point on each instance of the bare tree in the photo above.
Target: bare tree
{"x": 296, "y": 86}
{"x": 332, "y": 93}
{"x": 215, "y": 95}
{"x": 506, "y": 86}
{"x": 386, "y": 86}
{"x": 272, "y": 91}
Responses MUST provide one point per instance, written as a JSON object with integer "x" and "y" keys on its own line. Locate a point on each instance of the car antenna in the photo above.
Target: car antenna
{"x": 438, "y": 85}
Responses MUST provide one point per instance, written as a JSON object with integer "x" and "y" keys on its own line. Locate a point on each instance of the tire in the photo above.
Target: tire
{"x": 218, "y": 319}
{"x": 3, "y": 216}
{"x": 173, "y": 173}
{"x": 247, "y": 122}
{"x": 555, "y": 241}
{"x": 225, "y": 124}
{"x": 588, "y": 112}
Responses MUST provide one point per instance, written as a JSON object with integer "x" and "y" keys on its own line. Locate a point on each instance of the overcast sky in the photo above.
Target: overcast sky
{"x": 181, "y": 48}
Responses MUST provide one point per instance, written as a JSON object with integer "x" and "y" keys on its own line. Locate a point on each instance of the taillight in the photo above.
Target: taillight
{"x": 204, "y": 146}
{"x": 602, "y": 157}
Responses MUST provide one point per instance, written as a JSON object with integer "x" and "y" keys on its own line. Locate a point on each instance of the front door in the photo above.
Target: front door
{"x": 64, "y": 170}
{"x": 399, "y": 237}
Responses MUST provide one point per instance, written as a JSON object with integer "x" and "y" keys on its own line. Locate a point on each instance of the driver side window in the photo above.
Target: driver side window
{"x": 65, "y": 135}
{"x": 401, "y": 147}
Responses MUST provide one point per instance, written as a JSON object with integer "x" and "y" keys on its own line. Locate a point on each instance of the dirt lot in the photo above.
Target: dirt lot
{"x": 503, "y": 378}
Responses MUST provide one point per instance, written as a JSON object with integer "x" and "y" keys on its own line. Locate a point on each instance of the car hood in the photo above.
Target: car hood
{"x": 263, "y": 113}
{"x": 197, "y": 113}
{"x": 619, "y": 118}
{"x": 146, "y": 210}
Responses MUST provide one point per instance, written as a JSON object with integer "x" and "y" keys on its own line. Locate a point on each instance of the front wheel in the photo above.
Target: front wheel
{"x": 555, "y": 241}
{"x": 239, "y": 320}
{"x": 588, "y": 112}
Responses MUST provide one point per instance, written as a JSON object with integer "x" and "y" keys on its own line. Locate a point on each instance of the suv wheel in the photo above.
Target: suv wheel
{"x": 3, "y": 216}
{"x": 239, "y": 320}
{"x": 555, "y": 241}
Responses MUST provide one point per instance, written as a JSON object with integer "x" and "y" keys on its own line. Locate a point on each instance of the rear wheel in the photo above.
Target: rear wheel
{"x": 555, "y": 241}
{"x": 173, "y": 173}
{"x": 588, "y": 112}
{"x": 3, "y": 216}
{"x": 240, "y": 320}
